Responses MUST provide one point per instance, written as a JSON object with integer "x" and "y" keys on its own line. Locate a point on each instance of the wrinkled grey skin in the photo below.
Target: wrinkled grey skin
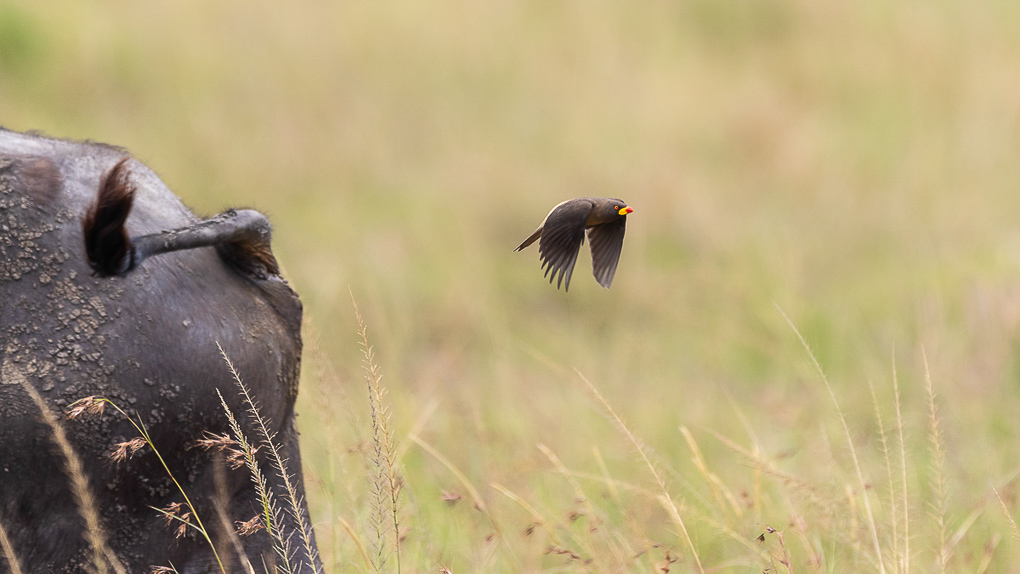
{"x": 147, "y": 341}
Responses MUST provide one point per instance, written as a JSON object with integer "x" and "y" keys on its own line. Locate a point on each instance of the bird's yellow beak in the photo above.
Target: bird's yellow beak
{"x": 625, "y": 210}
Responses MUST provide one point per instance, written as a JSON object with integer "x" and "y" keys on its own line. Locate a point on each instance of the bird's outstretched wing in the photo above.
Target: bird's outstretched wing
{"x": 562, "y": 236}
{"x": 606, "y": 241}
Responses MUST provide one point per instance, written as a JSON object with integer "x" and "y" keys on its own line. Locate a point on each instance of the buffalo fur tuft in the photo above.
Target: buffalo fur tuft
{"x": 107, "y": 244}
{"x": 250, "y": 253}
{"x": 253, "y": 258}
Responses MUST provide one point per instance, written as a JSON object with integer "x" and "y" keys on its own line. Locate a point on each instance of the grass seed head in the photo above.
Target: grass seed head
{"x": 250, "y": 527}
{"x": 214, "y": 441}
{"x": 171, "y": 511}
{"x": 182, "y": 529}
{"x": 85, "y": 406}
{"x": 125, "y": 450}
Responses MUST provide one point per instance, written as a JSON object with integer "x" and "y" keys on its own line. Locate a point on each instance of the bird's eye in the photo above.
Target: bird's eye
{"x": 616, "y": 207}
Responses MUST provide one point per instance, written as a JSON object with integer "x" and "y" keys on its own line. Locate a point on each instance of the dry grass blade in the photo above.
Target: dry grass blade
{"x": 665, "y": 498}
{"x": 850, "y": 443}
{"x": 295, "y": 502}
{"x": 535, "y": 514}
{"x": 476, "y": 497}
{"x": 1012, "y": 523}
{"x": 812, "y": 492}
{"x": 102, "y": 557}
{"x": 220, "y": 504}
{"x": 579, "y": 493}
{"x": 610, "y": 482}
{"x": 720, "y": 492}
{"x": 357, "y": 541}
{"x": 989, "y": 552}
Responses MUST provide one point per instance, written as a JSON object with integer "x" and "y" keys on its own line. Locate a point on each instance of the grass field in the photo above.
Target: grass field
{"x": 847, "y": 171}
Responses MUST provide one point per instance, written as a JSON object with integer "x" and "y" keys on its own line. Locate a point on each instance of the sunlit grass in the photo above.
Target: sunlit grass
{"x": 853, "y": 164}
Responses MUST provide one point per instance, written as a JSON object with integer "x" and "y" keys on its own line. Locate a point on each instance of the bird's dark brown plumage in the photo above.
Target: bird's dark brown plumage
{"x": 602, "y": 219}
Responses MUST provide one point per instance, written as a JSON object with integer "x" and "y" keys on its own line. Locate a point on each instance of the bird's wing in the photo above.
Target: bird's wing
{"x": 606, "y": 241}
{"x": 562, "y": 235}
{"x": 530, "y": 240}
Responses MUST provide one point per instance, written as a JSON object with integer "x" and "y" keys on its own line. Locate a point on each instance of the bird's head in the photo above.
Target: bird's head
{"x": 606, "y": 210}
{"x": 620, "y": 208}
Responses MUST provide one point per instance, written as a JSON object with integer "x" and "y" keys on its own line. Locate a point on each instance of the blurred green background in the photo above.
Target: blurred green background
{"x": 852, "y": 164}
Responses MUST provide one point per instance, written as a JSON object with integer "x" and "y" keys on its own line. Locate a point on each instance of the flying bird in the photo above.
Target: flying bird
{"x": 602, "y": 219}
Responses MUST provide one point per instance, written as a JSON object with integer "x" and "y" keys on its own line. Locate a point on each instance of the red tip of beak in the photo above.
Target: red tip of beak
{"x": 627, "y": 210}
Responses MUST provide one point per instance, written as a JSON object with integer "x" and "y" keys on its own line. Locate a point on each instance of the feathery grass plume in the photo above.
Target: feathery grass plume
{"x": 295, "y": 502}
{"x": 664, "y": 498}
{"x": 893, "y": 506}
{"x": 102, "y": 557}
{"x": 850, "y": 443}
{"x": 1012, "y": 523}
{"x": 387, "y": 481}
{"x": 96, "y": 405}
{"x": 8, "y": 549}
{"x": 220, "y": 504}
{"x": 938, "y": 481}
{"x": 270, "y": 511}
{"x": 903, "y": 471}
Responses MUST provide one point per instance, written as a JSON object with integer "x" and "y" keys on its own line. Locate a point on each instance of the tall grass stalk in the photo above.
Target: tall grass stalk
{"x": 724, "y": 498}
{"x": 537, "y": 516}
{"x": 1013, "y": 530}
{"x": 8, "y": 549}
{"x": 357, "y": 541}
{"x": 893, "y": 506}
{"x": 664, "y": 497}
{"x": 270, "y": 511}
{"x": 476, "y": 497}
{"x": 938, "y": 480}
{"x": 267, "y": 439}
{"x": 102, "y": 557}
{"x": 579, "y": 494}
{"x": 387, "y": 482}
{"x": 903, "y": 470}
{"x": 220, "y": 504}
{"x": 863, "y": 485}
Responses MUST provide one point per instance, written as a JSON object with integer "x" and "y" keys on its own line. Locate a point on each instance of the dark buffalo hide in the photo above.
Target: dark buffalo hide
{"x": 143, "y": 333}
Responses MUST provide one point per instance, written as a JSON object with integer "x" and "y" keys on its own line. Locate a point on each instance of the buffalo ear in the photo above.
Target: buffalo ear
{"x": 107, "y": 245}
